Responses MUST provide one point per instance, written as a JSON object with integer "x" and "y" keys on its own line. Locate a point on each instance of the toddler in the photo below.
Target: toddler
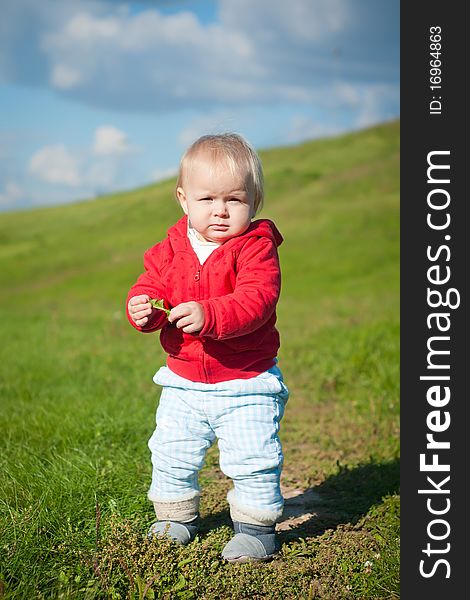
{"x": 218, "y": 272}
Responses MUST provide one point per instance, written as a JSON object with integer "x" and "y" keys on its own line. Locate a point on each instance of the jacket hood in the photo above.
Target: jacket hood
{"x": 178, "y": 233}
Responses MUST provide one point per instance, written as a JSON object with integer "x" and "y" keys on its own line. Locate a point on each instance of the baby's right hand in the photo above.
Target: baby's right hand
{"x": 139, "y": 309}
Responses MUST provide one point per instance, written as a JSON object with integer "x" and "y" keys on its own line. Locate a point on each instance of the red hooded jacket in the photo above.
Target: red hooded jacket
{"x": 238, "y": 287}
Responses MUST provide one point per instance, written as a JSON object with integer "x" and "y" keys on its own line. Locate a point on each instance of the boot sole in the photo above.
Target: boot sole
{"x": 250, "y": 559}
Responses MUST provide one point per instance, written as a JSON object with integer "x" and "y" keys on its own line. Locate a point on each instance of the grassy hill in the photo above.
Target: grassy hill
{"x": 77, "y": 399}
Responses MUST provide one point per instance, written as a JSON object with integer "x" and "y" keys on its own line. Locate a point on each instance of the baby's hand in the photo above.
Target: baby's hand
{"x": 189, "y": 316}
{"x": 139, "y": 309}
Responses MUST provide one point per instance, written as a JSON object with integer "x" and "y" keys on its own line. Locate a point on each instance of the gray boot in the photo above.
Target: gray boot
{"x": 176, "y": 519}
{"x": 251, "y": 543}
{"x": 181, "y": 533}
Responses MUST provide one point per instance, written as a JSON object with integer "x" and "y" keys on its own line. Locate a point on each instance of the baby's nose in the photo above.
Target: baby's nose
{"x": 220, "y": 208}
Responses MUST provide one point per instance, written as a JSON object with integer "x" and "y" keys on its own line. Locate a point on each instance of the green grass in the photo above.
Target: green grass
{"x": 78, "y": 402}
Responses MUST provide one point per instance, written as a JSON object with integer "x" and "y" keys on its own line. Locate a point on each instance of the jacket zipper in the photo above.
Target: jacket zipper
{"x": 197, "y": 279}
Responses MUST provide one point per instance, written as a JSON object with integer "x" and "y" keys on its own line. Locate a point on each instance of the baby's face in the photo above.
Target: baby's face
{"x": 217, "y": 202}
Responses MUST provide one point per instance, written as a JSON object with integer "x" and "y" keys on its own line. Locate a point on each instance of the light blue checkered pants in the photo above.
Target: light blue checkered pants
{"x": 243, "y": 415}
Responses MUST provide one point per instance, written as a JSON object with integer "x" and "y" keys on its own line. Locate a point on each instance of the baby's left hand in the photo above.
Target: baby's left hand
{"x": 189, "y": 316}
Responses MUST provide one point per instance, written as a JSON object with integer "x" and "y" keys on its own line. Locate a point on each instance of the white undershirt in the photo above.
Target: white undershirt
{"x": 201, "y": 247}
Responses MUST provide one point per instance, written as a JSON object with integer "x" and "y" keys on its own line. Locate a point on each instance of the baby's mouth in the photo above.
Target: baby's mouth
{"x": 220, "y": 226}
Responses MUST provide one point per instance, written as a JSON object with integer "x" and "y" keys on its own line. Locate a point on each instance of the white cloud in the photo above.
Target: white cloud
{"x": 303, "y": 21}
{"x": 263, "y": 52}
{"x": 217, "y": 122}
{"x": 97, "y": 168}
{"x": 159, "y": 174}
{"x": 101, "y": 175}
{"x": 372, "y": 103}
{"x": 103, "y": 54}
{"x": 65, "y": 77}
{"x": 110, "y": 141}
{"x": 149, "y": 60}
{"x": 368, "y": 103}
{"x": 346, "y": 93}
{"x": 55, "y": 164}
{"x": 11, "y": 194}
{"x": 305, "y": 128}
{"x": 84, "y": 28}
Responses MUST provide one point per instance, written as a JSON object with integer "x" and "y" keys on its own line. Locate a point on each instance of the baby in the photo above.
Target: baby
{"x": 219, "y": 273}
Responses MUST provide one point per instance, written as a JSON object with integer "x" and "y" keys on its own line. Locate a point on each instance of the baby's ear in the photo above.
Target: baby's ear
{"x": 182, "y": 199}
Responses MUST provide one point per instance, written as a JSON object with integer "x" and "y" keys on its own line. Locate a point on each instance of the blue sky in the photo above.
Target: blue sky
{"x": 103, "y": 95}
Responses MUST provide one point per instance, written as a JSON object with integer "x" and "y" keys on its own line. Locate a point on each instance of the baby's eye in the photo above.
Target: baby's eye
{"x": 205, "y": 199}
{"x": 234, "y": 200}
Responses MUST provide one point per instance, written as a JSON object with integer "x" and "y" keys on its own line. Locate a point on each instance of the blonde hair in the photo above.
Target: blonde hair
{"x": 238, "y": 155}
